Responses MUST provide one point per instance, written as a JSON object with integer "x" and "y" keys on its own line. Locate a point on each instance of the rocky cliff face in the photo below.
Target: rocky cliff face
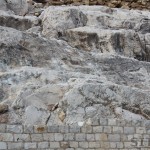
{"x": 74, "y": 64}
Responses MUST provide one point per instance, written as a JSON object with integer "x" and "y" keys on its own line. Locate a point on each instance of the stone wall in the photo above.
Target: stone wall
{"x": 101, "y": 134}
{"x": 138, "y": 4}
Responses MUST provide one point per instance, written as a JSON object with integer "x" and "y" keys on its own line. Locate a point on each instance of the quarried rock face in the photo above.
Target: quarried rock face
{"x": 79, "y": 63}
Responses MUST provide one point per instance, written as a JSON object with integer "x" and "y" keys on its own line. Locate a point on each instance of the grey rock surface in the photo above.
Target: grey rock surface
{"x": 19, "y": 7}
{"x": 79, "y": 63}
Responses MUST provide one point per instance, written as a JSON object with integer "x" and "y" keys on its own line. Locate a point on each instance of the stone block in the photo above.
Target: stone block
{"x": 36, "y": 137}
{"x": 112, "y": 122}
{"x": 105, "y": 145}
{"x": 94, "y": 144}
{"x": 74, "y": 144}
{"x": 15, "y": 145}
{"x": 140, "y": 130}
{"x": 43, "y": 145}
{"x": 15, "y": 128}
{"x": 28, "y": 129}
{"x": 107, "y": 129}
{"x": 22, "y": 137}
{"x": 129, "y": 130}
{"x": 64, "y": 129}
{"x": 58, "y": 137}
{"x": 30, "y": 145}
{"x": 80, "y": 137}
{"x": 6, "y": 137}
{"x": 74, "y": 129}
{"x": 87, "y": 129}
{"x": 40, "y": 129}
{"x": 48, "y": 137}
{"x": 64, "y": 145}
{"x": 2, "y": 128}
{"x": 98, "y": 129}
{"x": 103, "y": 122}
{"x": 114, "y": 137}
{"x": 53, "y": 129}
{"x": 69, "y": 137}
{"x": 90, "y": 137}
{"x": 54, "y": 145}
{"x": 3, "y": 145}
{"x": 83, "y": 145}
{"x": 119, "y": 145}
{"x": 117, "y": 129}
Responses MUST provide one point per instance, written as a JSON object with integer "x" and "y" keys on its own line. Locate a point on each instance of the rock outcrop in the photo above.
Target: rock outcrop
{"x": 73, "y": 64}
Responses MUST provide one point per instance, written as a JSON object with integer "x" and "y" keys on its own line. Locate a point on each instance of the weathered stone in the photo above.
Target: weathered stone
{"x": 30, "y": 145}
{"x": 3, "y": 145}
{"x": 36, "y": 137}
{"x": 98, "y": 67}
{"x": 21, "y": 137}
{"x": 20, "y": 7}
{"x": 15, "y": 145}
{"x": 6, "y": 137}
{"x": 15, "y": 128}
{"x": 43, "y": 145}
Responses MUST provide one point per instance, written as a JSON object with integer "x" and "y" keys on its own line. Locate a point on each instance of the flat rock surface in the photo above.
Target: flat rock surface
{"x": 74, "y": 63}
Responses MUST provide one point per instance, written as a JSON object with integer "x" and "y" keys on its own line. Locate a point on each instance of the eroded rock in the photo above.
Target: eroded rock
{"x": 79, "y": 64}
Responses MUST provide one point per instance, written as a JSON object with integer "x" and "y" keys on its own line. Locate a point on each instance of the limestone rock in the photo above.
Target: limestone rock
{"x": 81, "y": 63}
